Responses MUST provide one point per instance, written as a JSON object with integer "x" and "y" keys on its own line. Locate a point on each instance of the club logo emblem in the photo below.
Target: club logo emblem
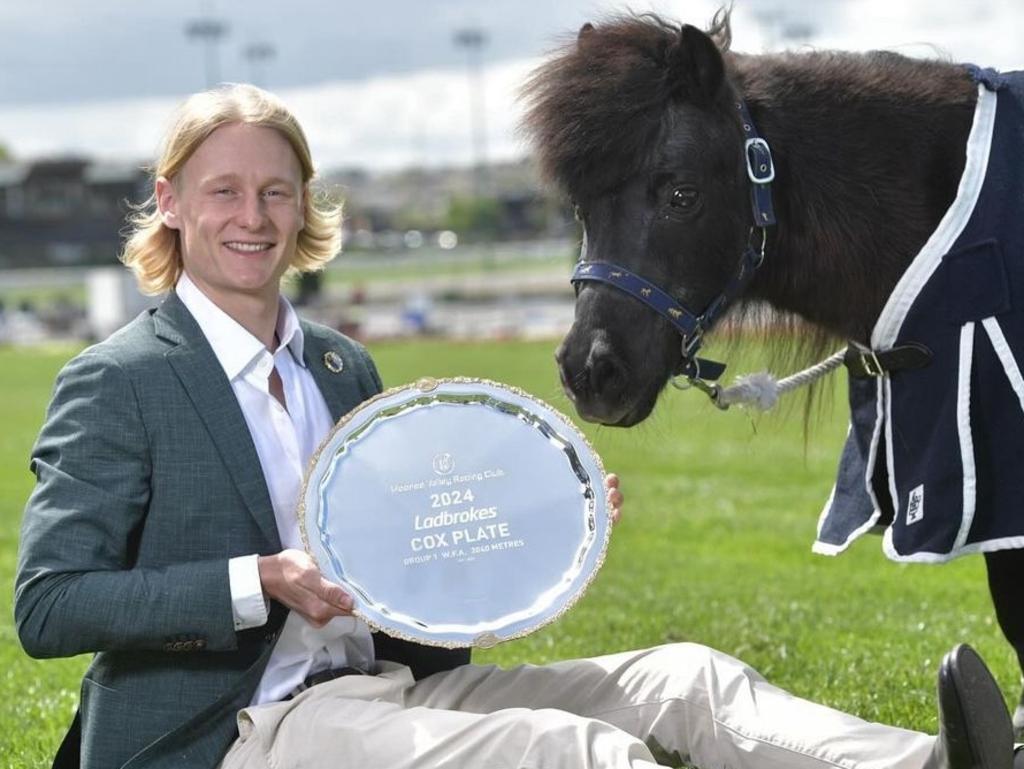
{"x": 333, "y": 362}
{"x": 444, "y": 463}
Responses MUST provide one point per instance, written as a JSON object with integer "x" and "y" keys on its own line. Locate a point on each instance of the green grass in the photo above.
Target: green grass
{"x": 714, "y": 547}
{"x": 360, "y": 269}
{"x": 363, "y": 270}
{"x": 42, "y": 296}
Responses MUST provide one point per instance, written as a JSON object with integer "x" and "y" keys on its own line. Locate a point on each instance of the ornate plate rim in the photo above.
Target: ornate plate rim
{"x": 426, "y": 384}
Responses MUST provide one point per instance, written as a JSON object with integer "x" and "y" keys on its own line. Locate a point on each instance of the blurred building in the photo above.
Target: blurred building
{"x": 71, "y": 211}
{"x": 65, "y": 211}
{"x": 515, "y": 207}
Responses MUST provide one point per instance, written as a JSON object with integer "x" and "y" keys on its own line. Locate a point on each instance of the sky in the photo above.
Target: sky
{"x": 383, "y": 85}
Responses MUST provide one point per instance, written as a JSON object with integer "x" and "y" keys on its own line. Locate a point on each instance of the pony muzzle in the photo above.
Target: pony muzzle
{"x": 594, "y": 377}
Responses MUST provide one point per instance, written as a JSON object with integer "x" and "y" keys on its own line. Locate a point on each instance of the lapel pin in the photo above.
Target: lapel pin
{"x": 333, "y": 361}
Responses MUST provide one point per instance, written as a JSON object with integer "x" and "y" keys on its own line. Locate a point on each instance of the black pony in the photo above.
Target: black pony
{"x": 660, "y": 136}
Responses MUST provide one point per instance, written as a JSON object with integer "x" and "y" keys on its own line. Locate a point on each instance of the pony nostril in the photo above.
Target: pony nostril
{"x": 566, "y": 379}
{"x": 570, "y": 381}
{"x": 573, "y": 370}
{"x": 606, "y": 375}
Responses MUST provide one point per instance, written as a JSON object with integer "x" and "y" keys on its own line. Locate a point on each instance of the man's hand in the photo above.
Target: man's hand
{"x": 615, "y": 498}
{"x": 292, "y": 578}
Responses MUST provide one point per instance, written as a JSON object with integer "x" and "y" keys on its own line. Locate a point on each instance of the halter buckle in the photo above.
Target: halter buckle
{"x": 760, "y": 166}
{"x": 691, "y": 344}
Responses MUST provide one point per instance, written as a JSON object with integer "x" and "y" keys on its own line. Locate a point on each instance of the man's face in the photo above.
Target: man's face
{"x": 237, "y": 204}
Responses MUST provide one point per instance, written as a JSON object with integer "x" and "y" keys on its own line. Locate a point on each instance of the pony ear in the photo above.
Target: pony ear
{"x": 585, "y": 30}
{"x": 696, "y": 66}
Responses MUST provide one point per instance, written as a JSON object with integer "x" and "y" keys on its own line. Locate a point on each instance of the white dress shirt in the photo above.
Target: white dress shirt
{"x": 285, "y": 440}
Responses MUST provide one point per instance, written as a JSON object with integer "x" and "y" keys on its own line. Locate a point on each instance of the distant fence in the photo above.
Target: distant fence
{"x": 481, "y": 290}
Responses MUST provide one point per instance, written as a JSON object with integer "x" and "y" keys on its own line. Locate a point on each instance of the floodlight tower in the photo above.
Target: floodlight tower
{"x": 258, "y": 54}
{"x": 209, "y": 31}
{"x": 473, "y": 40}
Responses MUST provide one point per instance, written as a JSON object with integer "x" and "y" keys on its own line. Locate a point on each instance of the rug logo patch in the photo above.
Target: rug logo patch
{"x": 915, "y": 505}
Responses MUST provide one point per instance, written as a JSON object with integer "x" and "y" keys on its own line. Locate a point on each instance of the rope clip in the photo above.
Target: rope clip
{"x": 710, "y": 389}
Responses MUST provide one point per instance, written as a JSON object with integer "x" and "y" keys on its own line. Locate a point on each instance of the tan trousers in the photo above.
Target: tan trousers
{"x": 635, "y": 709}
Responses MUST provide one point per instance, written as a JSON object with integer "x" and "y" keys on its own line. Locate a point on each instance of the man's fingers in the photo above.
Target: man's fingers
{"x": 323, "y": 604}
{"x": 293, "y": 578}
{"x": 334, "y": 595}
{"x": 614, "y": 496}
{"x": 616, "y": 514}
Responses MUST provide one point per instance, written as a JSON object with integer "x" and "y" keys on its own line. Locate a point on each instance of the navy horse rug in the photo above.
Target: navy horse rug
{"x": 936, "y": 453}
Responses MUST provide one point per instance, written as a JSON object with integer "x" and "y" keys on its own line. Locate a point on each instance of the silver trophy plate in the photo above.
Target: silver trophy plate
{"x": 457, "y": 512}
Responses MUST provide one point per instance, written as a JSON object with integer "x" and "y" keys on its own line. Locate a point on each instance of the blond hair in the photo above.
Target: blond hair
{"x": 152, "y": 250}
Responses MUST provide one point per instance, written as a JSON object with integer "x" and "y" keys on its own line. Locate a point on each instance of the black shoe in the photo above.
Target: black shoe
{"x": 1018, "y": 723}
{"x": 975, "y": 731}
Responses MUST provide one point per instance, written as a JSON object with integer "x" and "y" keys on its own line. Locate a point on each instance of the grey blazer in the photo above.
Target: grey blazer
{"x": 147, "y": 483}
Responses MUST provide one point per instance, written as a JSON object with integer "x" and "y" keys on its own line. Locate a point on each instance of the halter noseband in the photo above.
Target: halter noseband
{"x": 692, "y": 326}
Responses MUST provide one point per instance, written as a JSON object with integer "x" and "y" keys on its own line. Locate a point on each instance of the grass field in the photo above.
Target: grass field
{"x": 714, "y": 547}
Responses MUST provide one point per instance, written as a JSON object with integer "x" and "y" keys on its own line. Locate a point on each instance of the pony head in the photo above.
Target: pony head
{"x": 636, "y": 122}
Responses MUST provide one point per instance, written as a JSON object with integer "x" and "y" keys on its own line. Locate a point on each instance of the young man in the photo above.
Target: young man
{"x": 168, "y": 472}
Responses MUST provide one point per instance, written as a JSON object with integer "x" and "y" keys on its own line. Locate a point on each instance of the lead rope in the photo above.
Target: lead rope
{"x": 762, "y": 390}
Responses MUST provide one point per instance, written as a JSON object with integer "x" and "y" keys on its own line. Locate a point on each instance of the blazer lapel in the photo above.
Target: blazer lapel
{"x": 196, "y": 365}
{"x": 339, "y": 399}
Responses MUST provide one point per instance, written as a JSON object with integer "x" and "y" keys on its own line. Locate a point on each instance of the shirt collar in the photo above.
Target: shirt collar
{"x": 233, "y": 345}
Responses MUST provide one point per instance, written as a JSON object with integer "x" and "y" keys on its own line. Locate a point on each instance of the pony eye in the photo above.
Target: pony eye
{"x": 684, "y": 197}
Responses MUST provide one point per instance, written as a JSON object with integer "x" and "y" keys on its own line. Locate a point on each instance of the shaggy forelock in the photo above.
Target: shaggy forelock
{"x": 595, "y": 110}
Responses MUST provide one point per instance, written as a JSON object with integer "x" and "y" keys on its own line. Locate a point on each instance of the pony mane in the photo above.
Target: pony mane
{"x": 594, "y": 111}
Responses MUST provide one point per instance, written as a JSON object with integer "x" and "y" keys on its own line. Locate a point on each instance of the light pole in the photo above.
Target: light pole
{"x": 258, "y": 54}
{"x": 473, "y": 39}
{"x": 208, "y": 31}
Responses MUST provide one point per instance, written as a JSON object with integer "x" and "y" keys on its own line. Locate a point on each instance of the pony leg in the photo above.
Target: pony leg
{"x": 1005, "y": 578}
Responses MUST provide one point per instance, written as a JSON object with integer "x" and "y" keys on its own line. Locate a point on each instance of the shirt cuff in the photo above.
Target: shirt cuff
{"x": 248, "y": 605}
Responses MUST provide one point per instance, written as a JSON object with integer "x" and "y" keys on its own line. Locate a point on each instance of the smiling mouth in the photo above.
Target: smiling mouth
{"x": 248, "y": 248}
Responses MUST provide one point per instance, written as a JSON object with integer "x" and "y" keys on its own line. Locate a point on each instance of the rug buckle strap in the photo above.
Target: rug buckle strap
{"x": 863, "y": 362}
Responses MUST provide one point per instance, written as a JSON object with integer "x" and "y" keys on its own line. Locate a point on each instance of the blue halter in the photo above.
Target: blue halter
{"x": 691, "y": 326}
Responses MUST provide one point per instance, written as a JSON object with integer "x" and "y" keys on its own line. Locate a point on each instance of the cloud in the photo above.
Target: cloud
{"x": 381, "y": 123}
{"x": 983, "y": 33}
{"x": 424, "y": 118}
{"x": 421, "y": 119}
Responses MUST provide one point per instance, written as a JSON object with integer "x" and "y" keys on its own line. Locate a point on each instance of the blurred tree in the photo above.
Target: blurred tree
{"x": 5, "y": 154}
{"x": 476, "y": 217}
{"x": 309, "y": 288}
{"x": 409, "y": 219}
